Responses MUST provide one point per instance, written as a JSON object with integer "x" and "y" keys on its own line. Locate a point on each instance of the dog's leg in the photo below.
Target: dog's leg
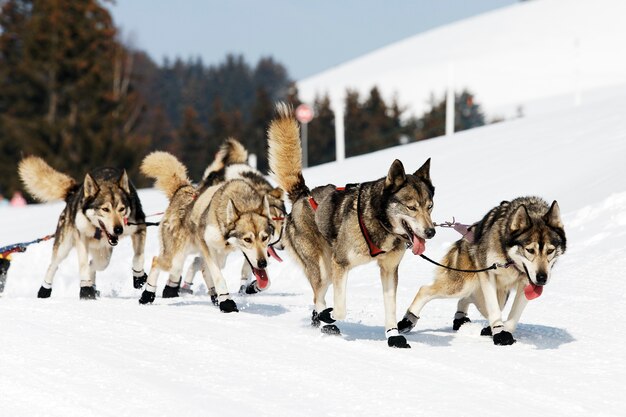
{"x": 206, "y": 275}
{"x": 460, "y": 317}
{"x": 100, "y": 259}
{"x": 195, "y": 267}
{"x": 318, "y": 275}
{"x": 173, "y": 283}
{"x": 147, "y": 296}
{"x": 519, "y": 303}
{"x": 211, "y": 261}
{"x": 60, "y": 250}
{"x": 246, "y": 274}
{"x": 389, "y": 280}
{"x": 139, "y": 242}
{"x": 87, "y": 275}
{"x": 494, "y": 314}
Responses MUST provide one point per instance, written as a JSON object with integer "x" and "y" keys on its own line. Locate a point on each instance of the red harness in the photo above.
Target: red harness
{"x": 373, "y": 249}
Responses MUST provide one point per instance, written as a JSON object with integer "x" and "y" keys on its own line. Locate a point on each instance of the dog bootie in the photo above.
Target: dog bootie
{"x": 228, "y": 306}
{"x": 171, "y": 292}
{"x": 407, "y": 323}
{"x": 330, "y": 329}
{"x": 460, "y": 319}
{"x": 87, "y": 293}
{"x": 44, "y": 292}
{"x": 138, "y": 281}
{"x": 147, "y": 297}
{"x": 501, "y": 337}
{"x": 395, "y": 340}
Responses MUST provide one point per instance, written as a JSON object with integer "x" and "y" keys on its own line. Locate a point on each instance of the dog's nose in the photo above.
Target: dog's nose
{"x": 429, "y": 233}
{"x": 541, "y": 278}
{"x": 118, "y": 230}
{"x": 262, "y": 263}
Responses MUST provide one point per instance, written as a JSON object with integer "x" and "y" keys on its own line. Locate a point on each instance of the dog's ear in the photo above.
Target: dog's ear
{"x": 266, "y": 207}
{"x": 424, "y": 171}
{"x": 232, "y": 214}
{"x": 521, "y": 220}
{"x": 123, "y": 182}
{"x": 396, "y": 176}
{"x": 553, "y": 216}
{"x": 90, "y": 187}
{"x": 277, "y": 193}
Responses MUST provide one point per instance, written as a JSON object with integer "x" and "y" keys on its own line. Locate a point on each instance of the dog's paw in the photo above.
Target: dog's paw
{"x": 407, "y": 323}
{"x": 185, "y": 290}
{"x": 457, "y": 323}
{"x": 486, "y": 331}
{"x": 253, "y": 288}
{"x": 315, "y": 320}
{"x": 139, "y": 281}
{"x": 228, "y": 306}
{"x": 326, "y": 316}
{"x": 88, "y": 293}
{"x": 398, "y": 342}
{"x": 503, "y": 338}
{"x": 330, "y": 329}
{"x": 147, "y": 297}
{"x": 44, "y": 292}
{"x": 170, "y": 292}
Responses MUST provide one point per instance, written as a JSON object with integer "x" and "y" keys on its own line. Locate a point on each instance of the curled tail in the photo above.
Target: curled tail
{"x": 285, "y": 153}
{"x": 44, "y": 182}
{"x": 169, "y": 172}
{"x": 231, "y": 152}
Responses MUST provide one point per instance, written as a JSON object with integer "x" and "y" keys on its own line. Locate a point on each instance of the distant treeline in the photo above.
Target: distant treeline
{"x": 73, "y": 94}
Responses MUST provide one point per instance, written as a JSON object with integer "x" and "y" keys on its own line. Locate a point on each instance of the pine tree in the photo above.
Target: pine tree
{"x": 196, "y": 155}
{"x": 321, "y": 133}
{"x": 66, "y": 88}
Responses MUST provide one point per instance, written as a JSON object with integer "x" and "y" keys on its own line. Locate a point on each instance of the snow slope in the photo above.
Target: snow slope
{"x": 112, "y": 357}
{"x": 514, "y": 56}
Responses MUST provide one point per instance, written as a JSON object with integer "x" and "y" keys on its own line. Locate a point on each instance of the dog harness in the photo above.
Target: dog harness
{"x": 373, "y": 249}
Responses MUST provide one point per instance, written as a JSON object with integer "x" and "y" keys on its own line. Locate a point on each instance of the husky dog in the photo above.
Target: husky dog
{"x": 231, "y": 163}
{"x": 98, "y": 212}
{"x": 330, "y": 230}
{"x": 524, "y": 237}
{"x": 213, "y": 221}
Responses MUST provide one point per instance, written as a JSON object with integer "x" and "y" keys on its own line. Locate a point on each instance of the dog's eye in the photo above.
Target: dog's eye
{"x": 105, "y": 209}
{"x": 264, "y": 238}
{"x": 550, "y": 251}
{"x": 412, "y": 208}
{"x": 530, "y": 251}
{"x": 247, "y": 240}
{"x": 121, "y": 209}
{"x": 430, "y": 206}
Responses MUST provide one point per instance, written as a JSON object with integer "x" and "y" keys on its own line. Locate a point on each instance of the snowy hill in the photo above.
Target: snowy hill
{"x": 64, "y": 357}
{"x": 511, "y": 57}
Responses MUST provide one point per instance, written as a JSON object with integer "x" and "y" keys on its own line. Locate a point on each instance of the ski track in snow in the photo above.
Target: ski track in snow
{"x": 113, "y": 357}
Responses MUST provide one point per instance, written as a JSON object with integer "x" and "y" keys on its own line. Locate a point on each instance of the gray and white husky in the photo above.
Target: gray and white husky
{"x": 527, "y": 236}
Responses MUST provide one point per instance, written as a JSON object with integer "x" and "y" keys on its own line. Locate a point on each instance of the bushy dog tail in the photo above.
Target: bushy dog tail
{"x": 285, "y": 153}
{"x": 170, "y": 174}
{"x": 44, "y": 182}
{"x": 231, "y": 152}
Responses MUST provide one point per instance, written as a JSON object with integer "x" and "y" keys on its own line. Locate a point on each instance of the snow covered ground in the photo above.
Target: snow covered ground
{"x": 113, "y": 357}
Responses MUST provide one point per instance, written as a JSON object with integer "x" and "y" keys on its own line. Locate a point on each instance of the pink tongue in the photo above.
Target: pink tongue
{"x": 532, "y": 291}
{"x": 261, "y": 278}
{"x": 273, "y": 254}
{"x": 419, "y": 245}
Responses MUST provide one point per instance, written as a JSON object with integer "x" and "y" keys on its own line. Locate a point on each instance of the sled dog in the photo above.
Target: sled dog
{"x": 330, "y": 230}
{"x": 231, "y": 162}
{"x": 212, "y": 221}
{"x": 524, "y": 237}
{"x": 100, "y": 210}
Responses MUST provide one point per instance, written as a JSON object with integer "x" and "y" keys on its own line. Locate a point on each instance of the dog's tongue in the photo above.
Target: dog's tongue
{"x": 419, "y": 245}
{"x": 273, "y": 254}
{"x": 532, "y": 291}
{"x": 261, "y": 277}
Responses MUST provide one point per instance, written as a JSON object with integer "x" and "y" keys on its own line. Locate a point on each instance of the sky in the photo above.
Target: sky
{"x": 306, "y": 36}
